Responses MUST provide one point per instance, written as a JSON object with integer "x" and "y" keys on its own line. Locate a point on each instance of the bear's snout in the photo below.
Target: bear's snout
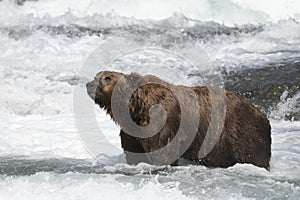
{"x": 90, "y": 84}
{"x": 91, "y": 89}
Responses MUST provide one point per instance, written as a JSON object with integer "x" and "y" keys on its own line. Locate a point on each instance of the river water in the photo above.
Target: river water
{"x": 45, "y": 46}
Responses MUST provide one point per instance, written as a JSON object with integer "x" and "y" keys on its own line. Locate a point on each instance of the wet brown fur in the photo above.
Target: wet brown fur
{"x": 245, "y": 138}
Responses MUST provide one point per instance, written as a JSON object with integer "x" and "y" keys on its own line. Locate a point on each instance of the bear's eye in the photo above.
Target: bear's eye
{"x": 107, "y": 79}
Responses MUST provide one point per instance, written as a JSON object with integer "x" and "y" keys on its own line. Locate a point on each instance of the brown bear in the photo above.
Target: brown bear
{"x": 245, "y": 132}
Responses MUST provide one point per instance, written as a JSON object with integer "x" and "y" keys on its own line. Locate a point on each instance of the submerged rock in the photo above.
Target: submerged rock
{"x": 267, "y": 87}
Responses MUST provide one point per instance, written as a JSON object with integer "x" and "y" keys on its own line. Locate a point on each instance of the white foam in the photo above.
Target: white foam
{"x": 225, "y": 11}
{"x": 277, "y": 11}
{"x": 40, "y": 136}
{"x": 286, "y": 105}
{"x": 279, "y": 41}
{"x": 81, "y": 186}
{"x": 35, "y": 72}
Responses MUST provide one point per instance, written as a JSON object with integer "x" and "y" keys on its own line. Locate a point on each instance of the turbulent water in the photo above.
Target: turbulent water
{"x": 47, "y": 48}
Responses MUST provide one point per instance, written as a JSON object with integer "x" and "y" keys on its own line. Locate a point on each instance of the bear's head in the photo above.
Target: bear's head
{"x": 101, "y": 88}
{"x": 126, "y": 92}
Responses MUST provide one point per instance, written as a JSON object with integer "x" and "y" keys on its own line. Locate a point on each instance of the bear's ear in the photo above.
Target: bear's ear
{"x": 134, "y": 76}
{"x": 133, "y": 80}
